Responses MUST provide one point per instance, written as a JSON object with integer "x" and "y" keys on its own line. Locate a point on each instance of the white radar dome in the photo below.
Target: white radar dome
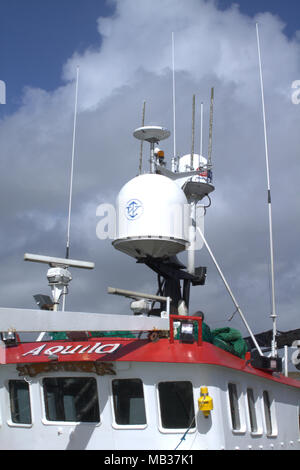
{"x": 152, "y": 213}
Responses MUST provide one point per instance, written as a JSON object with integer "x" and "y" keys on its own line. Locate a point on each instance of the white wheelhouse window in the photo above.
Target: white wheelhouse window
{"x": 71, "y": 399}
{"x": 176, "y": 405}
{"x": 129, "y": 403}
{"x": 20, "y": 406}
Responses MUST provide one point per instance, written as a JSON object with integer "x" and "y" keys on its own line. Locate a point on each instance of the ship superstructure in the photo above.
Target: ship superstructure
{"x": 157, "y": 378}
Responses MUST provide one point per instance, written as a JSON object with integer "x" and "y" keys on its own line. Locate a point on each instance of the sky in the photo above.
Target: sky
{"x": 123, "y": 49}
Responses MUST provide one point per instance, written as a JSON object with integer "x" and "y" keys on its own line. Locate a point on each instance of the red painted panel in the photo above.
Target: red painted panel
{"x": 135, "y": 350}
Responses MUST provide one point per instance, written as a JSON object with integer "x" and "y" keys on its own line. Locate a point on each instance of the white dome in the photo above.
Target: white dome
{"x": 184, "y": 165}
{"x": 151, "y": 217}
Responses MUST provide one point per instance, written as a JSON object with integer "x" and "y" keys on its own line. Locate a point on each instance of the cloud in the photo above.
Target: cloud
{"x": 212, "y": 48}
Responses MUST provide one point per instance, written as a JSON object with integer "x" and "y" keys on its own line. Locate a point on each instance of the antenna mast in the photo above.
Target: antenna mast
{"x": 201, "y": 130}
{"x": 141, "y": 150}
{"x": 174, "y": 104}
{"x": 210, "y": 128}
{"x": 273, "y": 314}
{"x": 72, "y": 166}
{"x": 193, "y": 134}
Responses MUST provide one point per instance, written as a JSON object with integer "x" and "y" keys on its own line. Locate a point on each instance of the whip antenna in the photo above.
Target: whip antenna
{"x": 72, "y": 166}
{"x": 193, "y": 133}
{"x": 174, "y": 102}
{"x": 273, "y": 314}
{"x": 201, "y": 129}
{"x": 210, "y": 128}
{"x": 141, "y": 150}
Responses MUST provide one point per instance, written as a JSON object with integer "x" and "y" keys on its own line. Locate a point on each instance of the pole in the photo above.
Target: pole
{"x": 230, "y": 292}
{"x": 193, "y": 134}
{"x": 152, "y": 159}
{"x": 201, "y": 130}
{"x": 72, "y": 166}
{"x": 286, "y": 359}
{"x": 174, "y": 99}
{"x": 210, "y": 128}
{"x": 71, "y": 180}
{"x": 141, "y": 150}
{"x": 273, "y": 314}
{"x": 192, "y": 237}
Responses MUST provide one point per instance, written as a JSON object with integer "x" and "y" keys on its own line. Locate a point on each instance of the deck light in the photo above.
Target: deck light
{"x": 9, "y": 338}
{"x": 186, "y": 334}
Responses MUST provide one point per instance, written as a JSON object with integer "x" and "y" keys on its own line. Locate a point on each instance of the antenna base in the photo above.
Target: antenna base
{"x": 58, "y": 279}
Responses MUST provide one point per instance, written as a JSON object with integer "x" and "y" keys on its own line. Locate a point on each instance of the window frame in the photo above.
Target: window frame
{"x": 116, "y": 425}
{"x": 257, "y": 411}
{"x": 44, "y": 418}
{"x": 9, "y": 420}
{"x": 164, "y": 430}
{"x": 272, "y": 413}
{"x": 240, "y": 408}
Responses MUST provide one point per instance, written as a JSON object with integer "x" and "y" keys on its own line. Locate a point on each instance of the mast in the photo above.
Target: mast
{"x": 71, "y": 183}
{"x": 201, "y": 130}
{"x": 273, "y": 314}
{"x": 141, "y": 149}
{"x": 193, "y": 203}
{"x": 193, "y": 135}
{"x": 210, "y": 128}
{"x": 174, "y": 100}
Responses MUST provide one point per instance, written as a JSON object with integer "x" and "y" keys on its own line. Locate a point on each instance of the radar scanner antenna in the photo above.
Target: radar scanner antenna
{"x": 273, "y": 314}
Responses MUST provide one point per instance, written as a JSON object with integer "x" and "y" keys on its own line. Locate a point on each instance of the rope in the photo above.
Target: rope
{"x": 183, "y": 437}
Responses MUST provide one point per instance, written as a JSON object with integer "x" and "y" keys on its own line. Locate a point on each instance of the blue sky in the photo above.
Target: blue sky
{"x": 38, "y": 36}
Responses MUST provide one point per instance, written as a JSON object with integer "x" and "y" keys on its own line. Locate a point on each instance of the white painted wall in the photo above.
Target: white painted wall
{"x": 212, "y": 433}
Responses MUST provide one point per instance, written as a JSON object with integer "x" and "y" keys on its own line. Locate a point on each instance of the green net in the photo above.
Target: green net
{"x": 230, "y": 340}
{"x": 111, "y": 334}
{"x": 58, "y": 336}
{"x": 61, "y": 335}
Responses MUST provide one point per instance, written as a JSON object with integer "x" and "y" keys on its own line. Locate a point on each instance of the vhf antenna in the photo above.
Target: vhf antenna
{"x": 72, "y": 165}
{"x": 210, "y": 128}
{"x": 141, "y": 148}
{"x": 273, "y": 314}
{"x": 58, "y": 274}
{"x": 174, "y": 101}
{"x": 193, "y": 134}
{"x": 201, "y": 130}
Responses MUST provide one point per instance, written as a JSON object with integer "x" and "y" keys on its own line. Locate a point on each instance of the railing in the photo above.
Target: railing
{"x": 181, "y": 318}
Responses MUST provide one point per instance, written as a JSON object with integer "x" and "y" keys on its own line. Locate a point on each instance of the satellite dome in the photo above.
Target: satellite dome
{"x": 151, "y": 217}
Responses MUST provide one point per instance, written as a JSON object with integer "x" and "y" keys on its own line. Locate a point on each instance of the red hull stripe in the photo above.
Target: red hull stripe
{"x": 134, "y": 350}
